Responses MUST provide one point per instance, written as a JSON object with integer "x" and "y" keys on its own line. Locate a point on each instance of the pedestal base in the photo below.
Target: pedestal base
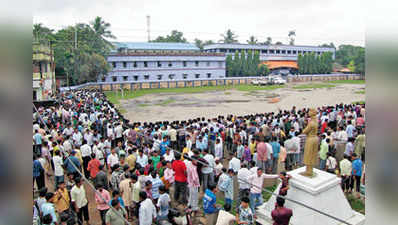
{"x": 322, "y": 192}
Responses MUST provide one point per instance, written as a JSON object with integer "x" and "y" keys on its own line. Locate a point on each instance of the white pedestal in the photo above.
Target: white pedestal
{"x": 322, "y": 192}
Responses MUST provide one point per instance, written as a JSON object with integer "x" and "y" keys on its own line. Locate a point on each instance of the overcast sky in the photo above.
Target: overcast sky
{"x": 315, "y": 21}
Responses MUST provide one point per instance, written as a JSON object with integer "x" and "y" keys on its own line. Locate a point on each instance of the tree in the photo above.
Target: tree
{"x": 256, "y": 62}
{"x": 278, "y": 43}
{"x": 252, "y": 40}
{"x": 263, "y": 70}
{"x": 175, "y": 36}
{"x": 351, "y": 66}
{"x": 42, "y": 33}
{"x": 200, "y": 44}
{"x": 229, "y": 37}
{"x": 292, "y": 37}
{"x": 236, "y": 64}
{"x": 268, "y": 41}
{"x": 300, "y": 63}
{"x": 242, "y": 64}
{"x": 249, "y": 63}
{"x": 229, "y": 66}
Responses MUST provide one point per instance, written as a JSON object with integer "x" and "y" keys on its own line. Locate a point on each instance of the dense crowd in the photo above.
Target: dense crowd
{"x": 135, "y": 166}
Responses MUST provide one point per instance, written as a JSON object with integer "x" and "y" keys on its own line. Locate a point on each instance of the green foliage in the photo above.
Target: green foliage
{"x": 313, "y": 86}
{"x": 84, "y": 61}
{"x": 229, "y": 37}
{"x": 309, "y": 63}
{"x": 244, "y": 65}
{"x": 351, "y": 66}
{"x": 229, "y": 66}
{"x": 347, "y": 82}
{"x": 268, "y": 41}
{"x": 236, "y": 64}
{"x": 263, "y": 70}
{"x": 252, "y": 40}
{"x": 175, "y": 36}
{"x": 278, "y": 43}
{"x": 346, "y": 54}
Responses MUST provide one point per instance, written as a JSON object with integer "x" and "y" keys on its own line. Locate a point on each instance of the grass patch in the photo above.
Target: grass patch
{"x": 227, "y": 93}
{"x": 313, "y": 86}
{"x": 360, "y": 92}
{"x": 143, "y": 105}
{"x": 356, "y": 204}
{"x": 347, "y": 82}
{"x": 166, "y": 102}
{"x": 267, "y": 195}
{"x": 115, "y": 97}
{"x": 359, "y": 102}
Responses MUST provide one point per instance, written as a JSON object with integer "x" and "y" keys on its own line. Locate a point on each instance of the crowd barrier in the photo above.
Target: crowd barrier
{"x": 147, "y": 84}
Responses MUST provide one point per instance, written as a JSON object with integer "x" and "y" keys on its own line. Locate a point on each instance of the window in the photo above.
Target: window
{"x": 264, "y": 51}
{"x": 135, "y": 78}
{"x": 135, "y": 64}
{"x": 114, "y": 64}
{"x": 289, "y": 52}
{"x": 159, "y": 64}
{"x": 171, "y": 76}
{"x": 124, "y": 64}
{"x": 278, "y": 51}
{"x": 125, "y": 78}
{"x": 114, "y": 79}
{"x": 223, "y": 50}
{"x": 208, "y": 75}
{"x": 146, "y": 77}
{"x": 160, "y": 77}
{"x": 319, "y": 53}
{"x": 184, "y": 63}
{"x": 103, "y": 79}
{"x": 283, "y": 51}
{"x": 197, "y": 75}
{"x": 272, "y": 51}
{"x": 294, "y": 52}
{"x": 231, "y": 50}
{"x": 207, "y": 63}
{"x": 170, "y": 64}
{"x": 220, "y": 64}
{"x": 145, "y": 64}
{"x": 184, "y": 76}
{"x": 196, "y": 63}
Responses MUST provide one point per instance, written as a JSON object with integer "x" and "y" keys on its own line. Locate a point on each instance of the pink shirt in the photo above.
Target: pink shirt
{"x": 169, "y": 175}
{"x": 257, "y": 182}
{"x": 261, "y": 151}
{"x": 192, "y": 176}
{"x": 101, "y": 204}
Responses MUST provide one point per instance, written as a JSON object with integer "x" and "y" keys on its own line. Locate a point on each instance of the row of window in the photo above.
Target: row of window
{"x": 267, "y": 51}
{"x": 158, "y": 77}
{"x": 161, "y": 64}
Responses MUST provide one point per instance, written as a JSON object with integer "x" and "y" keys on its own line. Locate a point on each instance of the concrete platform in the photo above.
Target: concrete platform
{"x": 322, "y": 192}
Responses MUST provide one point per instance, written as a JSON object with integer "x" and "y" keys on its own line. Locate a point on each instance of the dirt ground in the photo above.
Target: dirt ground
{"x": 169, "y": 106}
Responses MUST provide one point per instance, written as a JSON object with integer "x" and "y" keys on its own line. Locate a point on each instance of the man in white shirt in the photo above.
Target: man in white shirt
{"x": 208, "y": 171}
{"x": 234, "y": 163}
{"x": 89, "y": 137}
{"x": 169, "y": 155}
{"x": 147, "y": 211}
{"x": 188, "y": 142}
{"x": 244, "y": 185}
{"x": 346, "y": 169}
{"x": 79, "y": 200}
{"x": 113, "y": 159}
{"x": 58, "y": 169}
{"x": 219, "y": 149}
{"x": 142, "y": 159}
{"x": 77, "y": 138}
{"x": 256, "y": 181}
{"x": 86, "y": 153}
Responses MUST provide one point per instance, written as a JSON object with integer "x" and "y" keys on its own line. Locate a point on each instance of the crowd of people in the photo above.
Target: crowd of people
{"x": 141, "y": 171}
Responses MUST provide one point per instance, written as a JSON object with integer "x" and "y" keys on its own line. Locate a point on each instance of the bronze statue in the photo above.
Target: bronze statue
{"x": 311, "y": 144}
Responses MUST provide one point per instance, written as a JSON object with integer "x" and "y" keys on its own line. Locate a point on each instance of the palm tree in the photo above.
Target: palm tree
{"x": 291, "y": 35}
{"x": 101, "y": 28}
{"x": 229, "y": 37}
{"x": 41, "y": 32}
{"x": 252, "y": 40}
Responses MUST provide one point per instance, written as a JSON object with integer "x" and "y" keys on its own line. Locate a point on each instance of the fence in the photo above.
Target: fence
{"x": 135, "y": 85}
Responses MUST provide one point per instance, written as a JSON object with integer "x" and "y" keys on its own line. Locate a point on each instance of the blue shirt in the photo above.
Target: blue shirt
{"x": 357, "y": 167}
{"x": 209, "y": 200}
{"x": 156, "y": 183}
{"x": 163, "y": 146}
{"x": 276, "y": 147}
{"x": 37, "y": 168}
{"x": 350, "y": 130}
{"x": 200, "y": 145}
{"x": 120, "y": 201}
{"x": 37, "y": 138}
{"x": 48, "y": 208}
{"x": 69, "y": 167}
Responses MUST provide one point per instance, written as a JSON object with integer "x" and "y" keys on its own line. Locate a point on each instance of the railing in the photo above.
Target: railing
{"x": 145, "y": 84}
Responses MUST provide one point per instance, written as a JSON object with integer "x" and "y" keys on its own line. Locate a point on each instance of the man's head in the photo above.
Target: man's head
{"x": 213, "y": 188}
{"x": 115, "y": 203}
{"x": 280, "y": 201}
{"x": 49, "y": 196}
{"x": 143, "y": 195}
{"x": 61, "y": 185}
{"x": 78, "y": 181}
{"x": 259, "y": 171}
{"x": 245, "y": 202}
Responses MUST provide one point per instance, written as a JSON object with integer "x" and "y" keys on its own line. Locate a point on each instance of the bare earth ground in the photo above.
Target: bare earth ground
{"x": 169, "y": 106}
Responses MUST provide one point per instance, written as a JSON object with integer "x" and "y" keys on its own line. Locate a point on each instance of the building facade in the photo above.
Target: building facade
{"x": 43, "y": 72}
{"x": 162, "y": 61}
{"x": 279, "y": 58}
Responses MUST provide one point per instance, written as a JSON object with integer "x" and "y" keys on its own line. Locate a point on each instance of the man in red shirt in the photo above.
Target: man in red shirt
{"x": 180, "y": 175}
{"x": 262, "y": 156}
{"x": 93, "y": 166}
{"x": 280, "y": 214}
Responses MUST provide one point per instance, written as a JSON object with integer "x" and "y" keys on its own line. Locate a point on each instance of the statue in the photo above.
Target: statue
{"x": 311, "y": 144}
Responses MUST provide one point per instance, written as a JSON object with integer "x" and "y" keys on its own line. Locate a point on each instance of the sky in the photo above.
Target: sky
{"x": 314, "y": 21}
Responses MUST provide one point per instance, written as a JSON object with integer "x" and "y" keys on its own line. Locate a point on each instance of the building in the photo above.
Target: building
{"x": 132, "y": 61}
{"x": 43, "y": 72}
{"x": 278, "y": 58}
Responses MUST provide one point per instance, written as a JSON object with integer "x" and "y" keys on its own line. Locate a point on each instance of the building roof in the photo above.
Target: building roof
{"x": 156, "y": 46}
{"x": 279, "y": 64}
{"x": 262, "y": 46}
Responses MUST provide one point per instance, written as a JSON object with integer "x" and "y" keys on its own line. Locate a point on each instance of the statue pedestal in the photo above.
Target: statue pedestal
{"x": 322, "y": 192}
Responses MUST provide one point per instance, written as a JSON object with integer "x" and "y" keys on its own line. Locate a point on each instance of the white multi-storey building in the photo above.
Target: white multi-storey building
{"x": 162, "y": 61}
